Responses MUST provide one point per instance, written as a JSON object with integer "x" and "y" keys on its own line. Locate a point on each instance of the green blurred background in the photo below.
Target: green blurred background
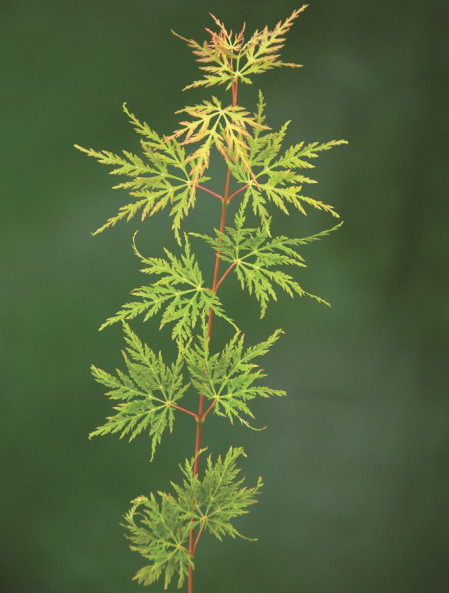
{"x": 355, "y": 459}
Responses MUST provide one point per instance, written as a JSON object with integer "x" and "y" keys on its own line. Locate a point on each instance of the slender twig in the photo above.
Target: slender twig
{"x": 226, "y": 273}
{"x": 199, "y": 534}
{"x": 237, "y": 192}
{"x": 172, "y": 405}
{"x": 217, "y": 258}
{"x": 210, "y": 408}
{"x": 209, "y": 191}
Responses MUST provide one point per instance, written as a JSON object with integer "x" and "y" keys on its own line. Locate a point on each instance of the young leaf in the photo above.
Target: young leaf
{"x": 160, "y": 179}
{"x": 159, "y": 531}
{"x": 160, "y": 534}
{"x": 180, "y": 292}
{"x": 262, "y": 51}
{"x": 219, "y": 497}
{"x": 146, "y": 392}
{"x": 256, "y": 258}
{"x": 226, "y": 128}
{"x": 259, "y": 54}
{"x": 228, "y": 378}
{"x": 216, "y": 56}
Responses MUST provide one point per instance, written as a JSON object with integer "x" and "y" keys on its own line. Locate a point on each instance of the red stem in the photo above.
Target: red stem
{"x": 198, "y": 536}
{"x": 200, "y": 416}
{"x": 237, "y": 192}
{"x": 184, "y": 410}
{"x": 209, "y": 191}
{"x": 217, "y": 258}
{"x": 209, "y": 408}
{"x": 226, "y": 273}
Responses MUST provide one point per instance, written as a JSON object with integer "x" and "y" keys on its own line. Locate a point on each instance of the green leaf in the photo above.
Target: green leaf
{"x": 179, "y": 292}
{"x": 228, "y": 377}
{"x": 159, "y": 180}
{"x": 159, "y": 530}
{"x": 160, "y": 534}
{"x": 262, "y": 51}
{"x": 146, "y": 392}
{"x": 279, "y": 185}
{"x": 274, "y": 178}
{"x": 256, "y": 259}
{"x": 211, "y": 503}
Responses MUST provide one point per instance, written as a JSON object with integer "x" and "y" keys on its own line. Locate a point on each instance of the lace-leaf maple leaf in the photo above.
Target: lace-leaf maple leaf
{"x": 277, "y": 178}
{"x": 159, "y": 529}
{"x": 180, "y": 293}
{"x": 159, "y": 533}
{"x": 228, "y": 377}
{"x": 219, "y": 497}
{"x": 262, "y": 51}
{"x": 211, "y": 125}
{"x": 225, "y": 49}
{"x": 216, "y": 55}
{"x": 161, "y": 178}
{"x": 146, "y": 392}
{"x": 256, "y": 258}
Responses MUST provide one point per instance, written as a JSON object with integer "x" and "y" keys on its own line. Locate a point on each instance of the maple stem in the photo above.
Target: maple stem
{"x": 184, "y": 410}
{"x": 199, "y": 534}
{"x": 209, "y": 408}
{"x": 200, "y": 417}
{"x": 209, "y": 191}
{"x": 217, "y": 258}
{"x": 237, "y": 192}
{"x": 226, "y": 273}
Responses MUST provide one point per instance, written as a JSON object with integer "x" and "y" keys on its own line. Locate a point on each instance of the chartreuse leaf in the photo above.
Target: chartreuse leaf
{"x": 161, "y": 178}
{"x": 229, "y": 378}
{"x": 257, "y": 259}
{"x": 146, "y": 392}
{"x": 274, "y": 178}
{"x": 159, "y": 529}
{"x": 159, "y": 533}
{"x": 259, "y": 54}
{"x": 210, "y": 124}
{"x": 219, "y": 497}
{"x": 262, "y": 50}
{"x": 180, "y": 293}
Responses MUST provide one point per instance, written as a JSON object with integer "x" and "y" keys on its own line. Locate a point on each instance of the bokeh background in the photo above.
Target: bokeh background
{"x": 355, "y": 459}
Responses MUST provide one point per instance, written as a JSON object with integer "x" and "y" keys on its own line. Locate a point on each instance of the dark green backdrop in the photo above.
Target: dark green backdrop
{"x": 355, "y": 459}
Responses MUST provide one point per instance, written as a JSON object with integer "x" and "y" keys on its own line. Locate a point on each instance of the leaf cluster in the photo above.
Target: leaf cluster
{"x": 165, "y": 527}
{"x": 159, "y": 528}
{"x": 147, "y": 393}
{"x": 226, "y": 58}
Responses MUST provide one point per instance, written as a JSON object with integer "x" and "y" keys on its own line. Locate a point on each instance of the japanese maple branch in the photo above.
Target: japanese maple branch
{"x": 200, "y": 419}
